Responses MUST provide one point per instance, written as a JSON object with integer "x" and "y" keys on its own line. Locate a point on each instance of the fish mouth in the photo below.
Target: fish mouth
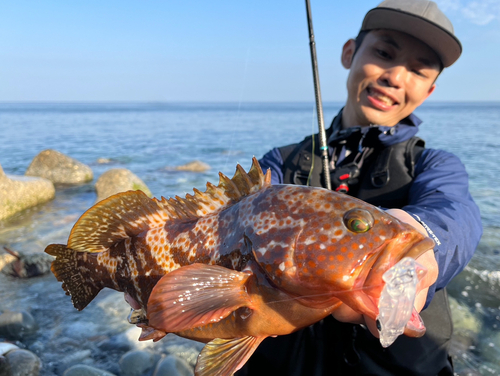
{"x": 406, "y": 245}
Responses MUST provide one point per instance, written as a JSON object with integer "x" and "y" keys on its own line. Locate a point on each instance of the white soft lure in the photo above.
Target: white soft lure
{"x": 397, "y": 300}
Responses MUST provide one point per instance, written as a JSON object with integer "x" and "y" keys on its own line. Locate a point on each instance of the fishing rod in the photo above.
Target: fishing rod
{"x": 323, "y": 147}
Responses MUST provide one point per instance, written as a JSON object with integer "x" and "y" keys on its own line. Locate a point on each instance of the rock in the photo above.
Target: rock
{"x": 173, "y": 366}
{"x": 20, "y": 192}
{"x": 27, "y": 265}
{"x": 5, "y": 347}
{"x": 136, "y": 363}
{"x": 73, "y": 359}
{"x": 119, "y": 180}
{"x": 59, "y": 168}
{"x": 194, "y": 166}
{"x": 466, "y": 326}
{"x": 23, "y": 363}
{"x": 4, "y": 367}
{"x": 83, "y": 370}
{"x": 183, "y": 348}
{"x": 131, "y": 338}
{"x": 17, "y": 325}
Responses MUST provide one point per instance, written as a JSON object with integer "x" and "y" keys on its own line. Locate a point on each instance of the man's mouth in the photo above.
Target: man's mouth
{"x": 378, "y": 96}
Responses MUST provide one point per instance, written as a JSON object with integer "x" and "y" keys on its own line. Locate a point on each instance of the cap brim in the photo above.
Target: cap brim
{"x": 445, "y": 44}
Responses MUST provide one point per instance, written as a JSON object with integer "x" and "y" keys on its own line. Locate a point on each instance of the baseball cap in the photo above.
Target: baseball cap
{"x": 421, "y": 19}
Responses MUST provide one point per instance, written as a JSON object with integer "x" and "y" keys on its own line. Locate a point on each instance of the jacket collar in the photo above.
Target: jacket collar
{"x": 404, "y": 130}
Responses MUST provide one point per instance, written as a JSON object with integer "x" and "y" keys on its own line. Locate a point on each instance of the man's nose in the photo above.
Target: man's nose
{"x": 394, "y": 76}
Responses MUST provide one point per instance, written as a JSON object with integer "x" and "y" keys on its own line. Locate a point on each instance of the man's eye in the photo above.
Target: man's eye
{"x": 419, "y": 73}
{"x": 383, "y": 54}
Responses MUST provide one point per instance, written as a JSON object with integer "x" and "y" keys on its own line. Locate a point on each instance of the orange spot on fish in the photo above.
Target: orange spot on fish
{"x": 320, "y": 272}
{"x": 331, "y": 248}
{"x": 338, "y": 232}
{"x": 350, "y": 255}
{"x": 340, "y": 258}
{"x": 343, "y": 249}
{"x": 321, "y": 258}
{"x": 354, "y": 246}
{"x": 376, "y": 239}
{"x": 331, "y": 266}
{"x": 311, "y": 264}
{"x": 327, "y": 226}
{"x": 323, "y": 238}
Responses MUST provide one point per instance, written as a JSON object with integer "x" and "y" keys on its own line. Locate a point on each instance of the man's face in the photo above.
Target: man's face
{"x": 390, "y": 75}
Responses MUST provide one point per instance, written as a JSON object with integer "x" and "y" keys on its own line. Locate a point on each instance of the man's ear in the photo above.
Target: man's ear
{"x": 348, "y": 53}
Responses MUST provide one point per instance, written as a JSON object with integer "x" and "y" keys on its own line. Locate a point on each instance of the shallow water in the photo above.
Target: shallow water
{"x": 147, "y": 138}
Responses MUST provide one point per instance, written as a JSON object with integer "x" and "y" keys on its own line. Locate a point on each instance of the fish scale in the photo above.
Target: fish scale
{"x": 235, "y": 264}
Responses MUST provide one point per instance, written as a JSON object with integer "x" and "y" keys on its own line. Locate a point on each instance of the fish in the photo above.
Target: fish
{"x": 240, "y": 262}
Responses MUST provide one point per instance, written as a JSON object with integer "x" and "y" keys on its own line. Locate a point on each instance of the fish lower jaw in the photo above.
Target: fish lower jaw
{"x": 415, "y": 326}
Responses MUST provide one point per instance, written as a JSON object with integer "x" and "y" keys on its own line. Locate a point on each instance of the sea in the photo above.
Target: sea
{"x": 151, "y": 138}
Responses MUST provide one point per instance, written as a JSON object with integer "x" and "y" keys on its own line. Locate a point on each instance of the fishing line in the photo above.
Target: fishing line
{"x": 313, "y": 146}
{"x": 238, "y": 113}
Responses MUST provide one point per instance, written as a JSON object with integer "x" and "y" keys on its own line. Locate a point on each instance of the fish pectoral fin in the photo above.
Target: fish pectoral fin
{"x": 223, "y": 357}
{"x": 196, "y": 295}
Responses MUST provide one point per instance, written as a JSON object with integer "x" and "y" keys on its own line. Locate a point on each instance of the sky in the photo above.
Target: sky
{"x": 211, "y": 50}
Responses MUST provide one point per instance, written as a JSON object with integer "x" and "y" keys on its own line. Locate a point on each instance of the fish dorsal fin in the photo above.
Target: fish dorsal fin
{"x": 129, "y": 213}
{"x": 228, "y": 192}
{"x": 118, "y": 217}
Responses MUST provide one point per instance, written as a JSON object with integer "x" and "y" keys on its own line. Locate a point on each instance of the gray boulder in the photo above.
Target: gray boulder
{"x": 194, "y": 166}
{"x": 84, "y": 370}
{"x": 59, "y": 168}
{"x": 119, "y": 180}
{"x": 21, "y": 192}
{"x": 173, "y": 366}
{"x": 17, "y": 325}
{"x": 23, "y": 363}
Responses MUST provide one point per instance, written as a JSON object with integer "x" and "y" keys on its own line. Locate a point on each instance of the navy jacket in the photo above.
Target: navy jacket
{"x": 439, "y": 199}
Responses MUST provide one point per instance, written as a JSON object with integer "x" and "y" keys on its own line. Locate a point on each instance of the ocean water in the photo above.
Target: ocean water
{"x": 147, "y": 138}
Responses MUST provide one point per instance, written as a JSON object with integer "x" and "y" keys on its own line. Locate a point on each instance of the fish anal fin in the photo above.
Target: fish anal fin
{"x": 148, "y": 333}
{"x": 223, "y": 357}
{"x": 196, "y": 295}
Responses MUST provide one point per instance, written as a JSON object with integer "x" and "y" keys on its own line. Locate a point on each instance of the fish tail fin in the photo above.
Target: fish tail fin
{"x": 65, "y": 267}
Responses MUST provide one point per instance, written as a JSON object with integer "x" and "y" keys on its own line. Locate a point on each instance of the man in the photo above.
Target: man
{"x": 394, "y": 62}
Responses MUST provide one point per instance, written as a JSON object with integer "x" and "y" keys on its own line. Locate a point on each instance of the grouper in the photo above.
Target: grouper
{"x": 240, "y": 262}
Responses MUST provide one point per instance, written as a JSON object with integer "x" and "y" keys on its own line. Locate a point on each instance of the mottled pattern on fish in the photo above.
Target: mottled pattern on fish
{"x": 283, "y": 257}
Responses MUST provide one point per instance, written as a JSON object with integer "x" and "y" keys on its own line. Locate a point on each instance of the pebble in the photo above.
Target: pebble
{"x": 136, "y": 363}
{"x": 5, "y": 347}
{"x": 173, "y": 366}
{"x": 83, "y": 370}
{"x": 17, "y": 325}
{"x": 23, "y": 363}
{"x": 73, "y": 359}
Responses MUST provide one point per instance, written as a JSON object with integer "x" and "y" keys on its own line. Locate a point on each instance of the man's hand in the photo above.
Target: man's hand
{"x": 345, "y": 314}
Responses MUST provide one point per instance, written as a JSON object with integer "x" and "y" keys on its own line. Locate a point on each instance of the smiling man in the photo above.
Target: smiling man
{"x": 402, "y": 47}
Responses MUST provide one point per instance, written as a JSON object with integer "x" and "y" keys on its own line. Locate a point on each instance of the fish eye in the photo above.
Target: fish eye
{"x": 358, "y": 220}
